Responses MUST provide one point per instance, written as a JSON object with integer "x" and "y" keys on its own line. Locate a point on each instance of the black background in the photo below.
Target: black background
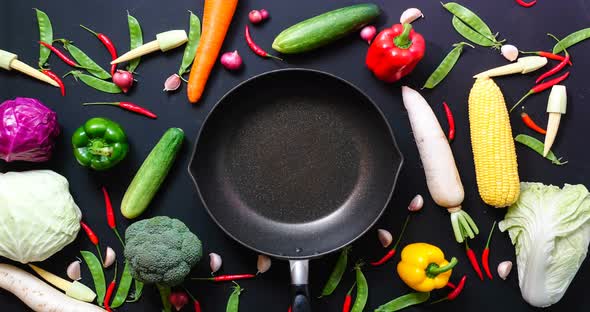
{"x": 525, "y": 28}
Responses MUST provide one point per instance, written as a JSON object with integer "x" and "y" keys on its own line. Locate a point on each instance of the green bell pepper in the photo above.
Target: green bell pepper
{"x": 99, "y": 144}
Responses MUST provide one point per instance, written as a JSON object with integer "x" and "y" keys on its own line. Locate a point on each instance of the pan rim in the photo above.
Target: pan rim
{"x": 315, "y": 71}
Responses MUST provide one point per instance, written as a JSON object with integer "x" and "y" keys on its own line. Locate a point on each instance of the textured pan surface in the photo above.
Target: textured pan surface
{"x": 295, "y": 163}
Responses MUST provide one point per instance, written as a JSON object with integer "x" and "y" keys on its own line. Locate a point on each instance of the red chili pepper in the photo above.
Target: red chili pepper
{"x": 348, "y": 300}
{"x": 528, "y": 121}
{"x": 486, "y": 254}
{"x": 548, "y": 55}
{"x": 555, "y": 69}
{"x": 110, "y": 291}
{"x": 225, "y": 278}
{"x": 57, "y": 79}
{"x": 542, "y": 87}
{"x": 111, "y": 215}
{"x": 127, "y": 106}
{"x": 257, "y": 49}
{"x": 450, "y": 120}
{"x": 60, "y": 54}
{"x": 391, "y": 252}
{"x": 197, "y": 306}
{"x": 451, "y": 285}
{"x": 108, "y": 43}
{"x": 455, "y": 292}
{"x": 473, "y": 260}
{"x": 526, "y": 4}
{"x": 93, "y": 238}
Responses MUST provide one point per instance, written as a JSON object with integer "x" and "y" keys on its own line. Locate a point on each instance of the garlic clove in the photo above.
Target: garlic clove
{"x": 510, "y": 52}
{"x": 215, "y": 262}
{"x": 172, "y": 83}
{"x": 416, "y": 204}
{"x": 263, "y": 264}
{"x": 504, "y": 269}
{"x": 73, "y": 271}
{"x": 410, "y": 15}
{"x": 109, "y": 258}
{"x": 384, "y": 237}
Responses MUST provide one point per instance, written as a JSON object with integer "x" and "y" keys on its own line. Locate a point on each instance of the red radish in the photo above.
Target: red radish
{"x": 231, "y": 60}
{"x": 123, "y": 79}
{"x": 255, "y": 17}
{"x": 264, "y": 14}
{"x": 178, "y": 299}
{"x": 368, "y": 33}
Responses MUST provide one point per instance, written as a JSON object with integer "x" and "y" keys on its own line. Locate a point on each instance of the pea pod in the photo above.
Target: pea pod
{"x": 571, "y": 39}
{"x": 194, "y": 36}
{"x": 404, "y": 301}
{"x": 445, "y": 66}
{"x": 138, "y": 291}
{"x": 233, "y": 303}
{"x": 95, "y": 268}
{"x": 337, "y": 273}
{"x": 470, "y": 18}
{"x": 124, "y": 286}
{"x": 45, "y": 35}
{"x": 85, "y": 61}
{"x": 471, "y": 35}
{"x": 95, "y": 83}
{"x": 362, "y": 290}
{"x": 538, "y": 146}
{"x": 135, "y": 40}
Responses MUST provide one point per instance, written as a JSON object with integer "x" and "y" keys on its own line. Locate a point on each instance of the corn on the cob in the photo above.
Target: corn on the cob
{"x": 494, "y": 155}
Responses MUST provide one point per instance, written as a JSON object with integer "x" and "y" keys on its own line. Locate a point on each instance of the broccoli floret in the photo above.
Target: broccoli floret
{"x": 161, "y": 250}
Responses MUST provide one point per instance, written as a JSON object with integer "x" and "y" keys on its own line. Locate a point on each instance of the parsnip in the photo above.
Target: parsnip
{"x": 38, "y": 295}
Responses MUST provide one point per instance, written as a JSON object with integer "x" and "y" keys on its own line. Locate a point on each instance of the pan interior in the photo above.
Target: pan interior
{"x": 295, "y": 163}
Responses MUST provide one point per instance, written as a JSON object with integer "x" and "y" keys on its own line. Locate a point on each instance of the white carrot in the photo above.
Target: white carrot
{"x": 442, "y": 176}
{"x": 38, "y": 295}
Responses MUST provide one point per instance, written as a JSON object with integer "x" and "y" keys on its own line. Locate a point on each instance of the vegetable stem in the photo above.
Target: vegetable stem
{"x": 433, "y": 269}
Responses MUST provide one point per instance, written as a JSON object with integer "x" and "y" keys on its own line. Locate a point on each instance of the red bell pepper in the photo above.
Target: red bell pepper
{"x": 395, "y": 52}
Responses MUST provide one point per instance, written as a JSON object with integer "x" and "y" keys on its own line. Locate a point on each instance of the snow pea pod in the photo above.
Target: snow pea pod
{"x": 538, "y": 146}
{"x": 445, "y": 66}
{"x": 194, "y": 36}
{"x": 45, "y": 35}
{"x": 138, "y": 291}
{"x": 233, "y": 303}
{"x": 95, "y": 83}
{"x": 470, "y": 18}
{"x": 404, "y": 301}
{"x": 135, "y": 40}
{"x": 337, "y": 273}
{"x": 85, "y": 61}
{"x": 571, "y": 39}
{"x": 95, "y": 268}
{"x": 362, "y": 290}
{"x": 472, "y": 35}
{"x": 124, "y": 286}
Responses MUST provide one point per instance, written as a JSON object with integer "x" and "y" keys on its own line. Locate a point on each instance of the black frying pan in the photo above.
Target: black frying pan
{"x": 295, "y": 164}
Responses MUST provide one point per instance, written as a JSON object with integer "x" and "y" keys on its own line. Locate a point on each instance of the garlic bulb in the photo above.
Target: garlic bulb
{"x": 410, "y": 15}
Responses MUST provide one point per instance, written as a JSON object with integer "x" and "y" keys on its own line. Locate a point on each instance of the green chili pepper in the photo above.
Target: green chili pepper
{"x": 135, "y": 39}
{"x": 138, "y": 291}
{"x": 445, "y": 66}
{"x": 470, "y": 18}
{"x": 472, "y": 35}
{"x": 164, "y": 295}
{"x": 571, "y": 39}
{"x": 538, "y": 146}
{"x": 99, "y": 144}
{"x": 362, "y": 290}
{"x": 124, "y": 286}
{"x": 234, "y": 299}
{"x": 84, "y": 60}
{"x": 45, "y": 35}
{"x": 95, "y": 83}
{"x": 194, "y": 36}
{"x": 404, "y": 301}
{"x": 337, "y": 273}
{"x": 95, "y": 268}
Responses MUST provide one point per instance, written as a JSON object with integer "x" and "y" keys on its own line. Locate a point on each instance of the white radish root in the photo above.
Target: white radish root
{"x": 38, "y": 295}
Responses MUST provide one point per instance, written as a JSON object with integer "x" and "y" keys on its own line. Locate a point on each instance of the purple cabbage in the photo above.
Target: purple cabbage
{"x": 27, "y": 130}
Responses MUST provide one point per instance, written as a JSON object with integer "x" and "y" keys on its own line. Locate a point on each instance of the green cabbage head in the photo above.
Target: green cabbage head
{"x": 550, "y": 229}
{"x": 38, "y": 216}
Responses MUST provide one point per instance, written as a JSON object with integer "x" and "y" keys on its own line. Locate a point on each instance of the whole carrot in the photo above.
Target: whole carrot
{"x": 486, "y": 254}
{"x": 217, "y": 16}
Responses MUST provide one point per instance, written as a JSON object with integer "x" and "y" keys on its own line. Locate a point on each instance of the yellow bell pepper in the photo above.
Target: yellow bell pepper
{"x": 423, "y": 267}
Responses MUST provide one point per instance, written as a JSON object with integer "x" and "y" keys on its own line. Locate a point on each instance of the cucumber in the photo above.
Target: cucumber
{"x": 325, "y": 28}
{"x": 151, "y": 174}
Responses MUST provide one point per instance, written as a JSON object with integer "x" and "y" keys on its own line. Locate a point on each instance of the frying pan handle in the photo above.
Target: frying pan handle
{"x": 299, "y": 290}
